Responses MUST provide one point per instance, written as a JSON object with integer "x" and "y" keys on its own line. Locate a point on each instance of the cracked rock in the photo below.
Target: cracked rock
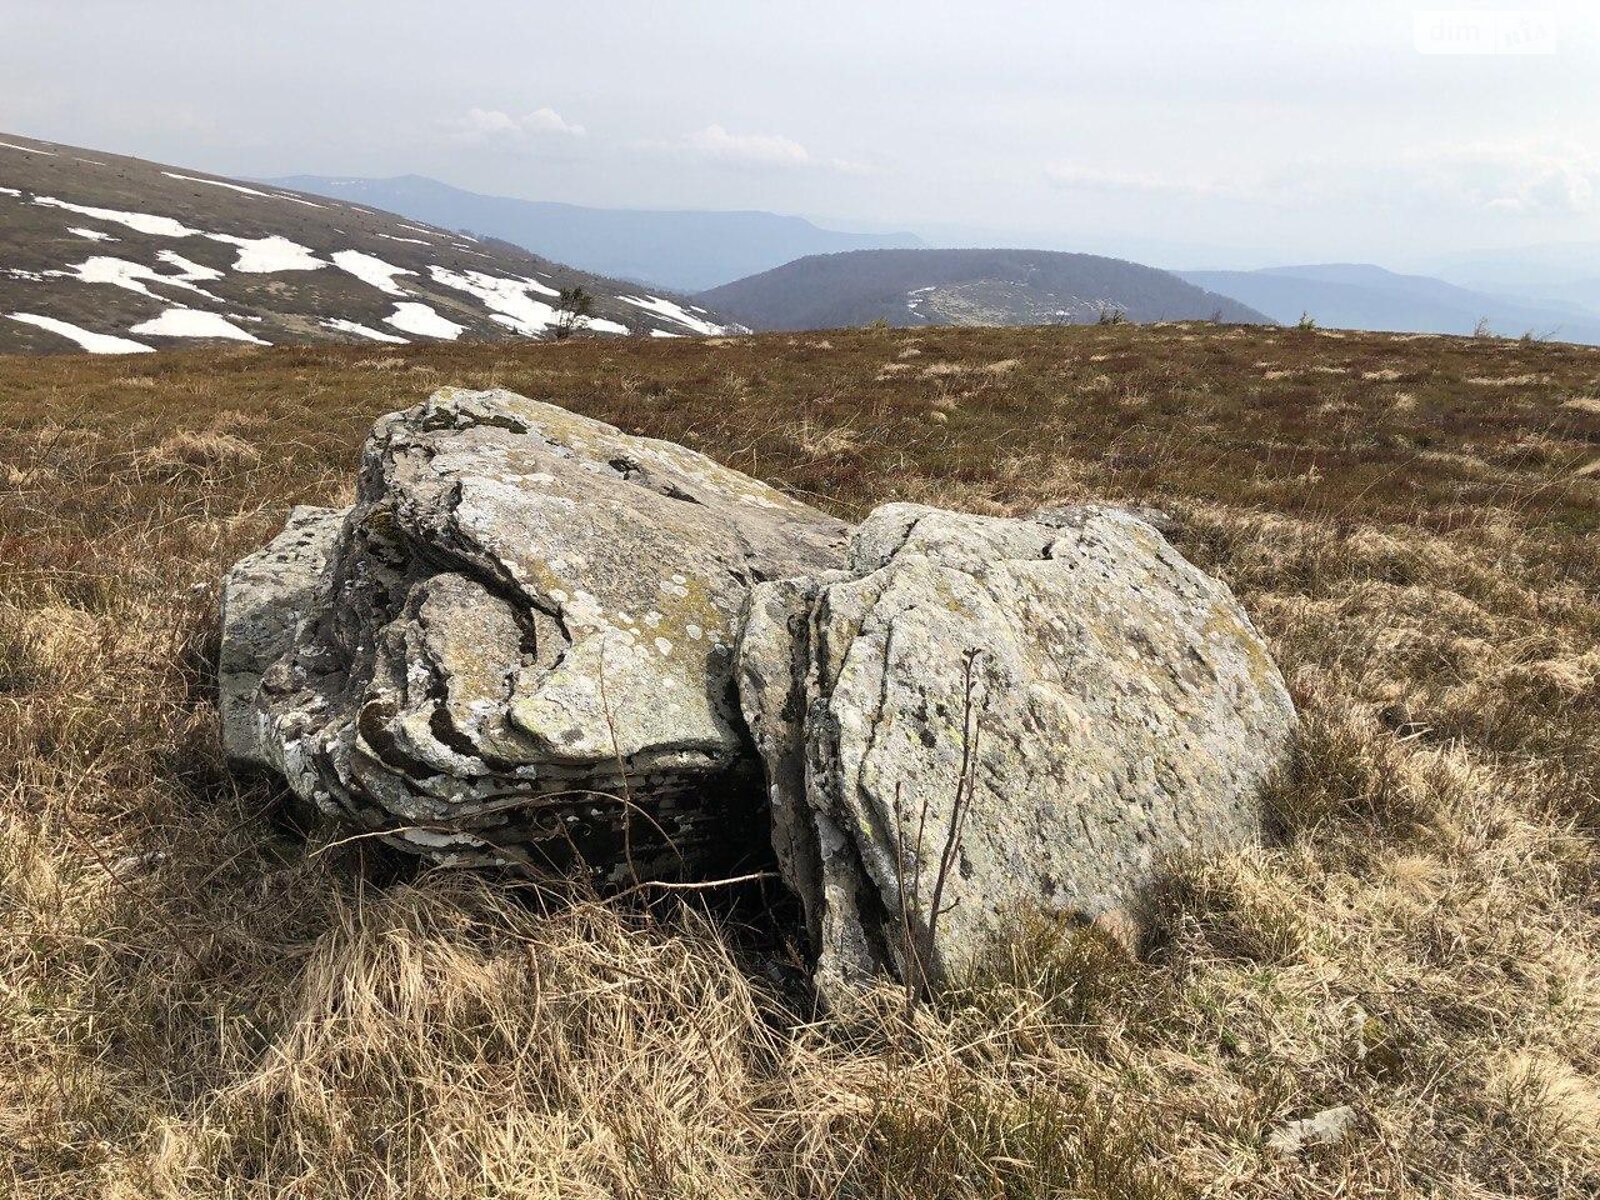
{"x": 264, "y": 598}
{"x": 983, "y": 715}
{"x": 520, "y": 647}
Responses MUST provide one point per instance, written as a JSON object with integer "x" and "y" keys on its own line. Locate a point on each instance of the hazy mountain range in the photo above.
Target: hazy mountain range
{"x": 684, "y": 250}
{"x": 1563, "y": 272}
{"x": 964, "y": 287}
{"x": 1362, "y": 296}
{"x": 1550, "y": 290}
{"x": 112, "y": 253}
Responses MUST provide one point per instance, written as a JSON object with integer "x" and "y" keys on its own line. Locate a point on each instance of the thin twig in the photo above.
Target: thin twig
{"x": 965, "y": 783}
{"x": 919, "y": 946}
{"x": 706, "y": 885}
{"x": 622, "y": 775}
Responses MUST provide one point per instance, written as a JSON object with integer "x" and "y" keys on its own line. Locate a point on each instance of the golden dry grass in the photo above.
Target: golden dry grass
{"x": 199, "y": 999}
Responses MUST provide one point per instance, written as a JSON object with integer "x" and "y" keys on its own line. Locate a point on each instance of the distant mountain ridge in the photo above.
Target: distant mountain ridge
{"x": 1362, "y": 296}
{"x": 910, "y": 288}
{"x": 1566, "y": 273}
{"x": 686, "y": 250}
{"x": 111, "y": 254}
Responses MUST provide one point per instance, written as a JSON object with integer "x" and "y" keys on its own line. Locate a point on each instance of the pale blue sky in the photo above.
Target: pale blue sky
{"x": 1230, "y": 132}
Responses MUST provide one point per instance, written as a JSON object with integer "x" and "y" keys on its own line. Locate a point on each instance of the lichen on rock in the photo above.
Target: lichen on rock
{"x": 983, "y": 714}
{"x": 537, "y": 641}
{"x": 520, "y": 649}
{"x": 264, "y": 598}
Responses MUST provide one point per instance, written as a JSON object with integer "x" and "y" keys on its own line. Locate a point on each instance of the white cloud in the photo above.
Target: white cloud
{"x": 1543, "y": 178}
{"x": 548, "y": 120}
{"x": 715, "y": 143}
{"x": 487, "y": 125}
{"x": 770, "y": 150}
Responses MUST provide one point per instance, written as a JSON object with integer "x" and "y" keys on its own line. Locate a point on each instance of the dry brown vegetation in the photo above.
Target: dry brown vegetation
{"x": 198, "y": 999}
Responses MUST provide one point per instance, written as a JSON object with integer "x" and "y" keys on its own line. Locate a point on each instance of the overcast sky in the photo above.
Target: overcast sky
{"x": 1238, "y": 133}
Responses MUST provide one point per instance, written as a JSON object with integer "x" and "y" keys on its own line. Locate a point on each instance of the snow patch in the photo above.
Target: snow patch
{"x": 423, "y": 321}
{"x": 240, "y": 188}
{"x": 366, "y": 331}
{"x": 413, "y": 228}
{"x": 232, "y": 187}
{"x": 5, "y": 191}
{"x": 132, "y": 276}
{"x": 662, "y": 333}
{"x": 675, "y": 313}
{"x": 192, "y": 323}
{"x": 507, "y": 297}
{"x": 413, "y": 241}
{"x": 29, "y": 150}
{"x": 94, "y": 343}
{"x": 533, "y": 285}
{"x": 145, "y": 223}
{"x": 192, "y": 271}
{"x": 264, "y": 256}
{"x": 257, "y": 256}
{"x": 94, "y": 235}
{"x": 371, "y": 270}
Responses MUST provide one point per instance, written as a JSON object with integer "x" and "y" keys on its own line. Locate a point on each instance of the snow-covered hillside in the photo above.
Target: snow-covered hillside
{"x": 119, "y": 256}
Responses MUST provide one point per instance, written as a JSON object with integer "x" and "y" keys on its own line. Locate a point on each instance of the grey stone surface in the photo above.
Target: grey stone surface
{"x": 522, "y": 649}
{"x": 1326, "y": 1128}
{"x": 263, "y": 599}
{"x": 1095, "y": 699}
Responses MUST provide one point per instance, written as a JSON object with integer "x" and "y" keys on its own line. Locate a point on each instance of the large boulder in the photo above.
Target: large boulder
{"x": 982, "y": 715}
{"x": 520, "y": 650}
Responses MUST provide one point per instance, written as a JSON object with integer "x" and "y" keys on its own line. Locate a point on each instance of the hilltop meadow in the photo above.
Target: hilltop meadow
{"x": 204, "y": 994}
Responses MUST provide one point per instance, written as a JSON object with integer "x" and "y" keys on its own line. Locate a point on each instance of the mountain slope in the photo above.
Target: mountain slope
{"x": 1361, "y": 296}
{"x": 687, "y": 250}
{"x": 963, "y": 287}
{"x": 118, "y": 255}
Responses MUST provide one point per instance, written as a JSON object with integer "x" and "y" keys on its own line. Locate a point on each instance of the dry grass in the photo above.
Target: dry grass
{"x": 199, "y": 999}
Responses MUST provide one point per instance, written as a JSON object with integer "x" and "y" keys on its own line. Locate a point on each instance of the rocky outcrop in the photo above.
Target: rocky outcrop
{"x": 535, "y": 640}
{"x": 986, "y": 714}
{"x": 520, "y": 649}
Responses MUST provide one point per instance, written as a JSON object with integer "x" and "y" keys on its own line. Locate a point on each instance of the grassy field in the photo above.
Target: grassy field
{"x": 199, "y": 999}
